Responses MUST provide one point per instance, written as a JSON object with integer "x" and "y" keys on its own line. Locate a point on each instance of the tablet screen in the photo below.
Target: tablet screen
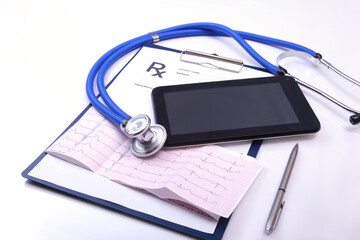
{"x": 233, "y": 110}
{"x": 224, "y": 108}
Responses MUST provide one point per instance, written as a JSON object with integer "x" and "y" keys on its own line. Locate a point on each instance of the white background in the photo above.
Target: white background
{"x": 48, "y": 47}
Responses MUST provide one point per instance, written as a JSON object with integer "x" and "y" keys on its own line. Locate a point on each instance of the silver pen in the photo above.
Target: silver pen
{"x": 278, "y": 202}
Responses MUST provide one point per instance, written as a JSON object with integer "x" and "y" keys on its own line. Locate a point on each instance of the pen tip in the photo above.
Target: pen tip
{"x": 268, "y": 230}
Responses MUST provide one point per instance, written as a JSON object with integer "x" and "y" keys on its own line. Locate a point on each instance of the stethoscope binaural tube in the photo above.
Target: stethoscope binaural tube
{"x": 355, "y": 118}
{"x": 146, "y": 140}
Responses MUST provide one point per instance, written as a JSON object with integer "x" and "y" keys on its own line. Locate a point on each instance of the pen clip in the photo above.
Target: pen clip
{"x": 279, "y": 213}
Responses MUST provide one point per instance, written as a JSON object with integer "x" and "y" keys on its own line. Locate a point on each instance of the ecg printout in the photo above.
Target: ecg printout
{"x": 209, "y": 178}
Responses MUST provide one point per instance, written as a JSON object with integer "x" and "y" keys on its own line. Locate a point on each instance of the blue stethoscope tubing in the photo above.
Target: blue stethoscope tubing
{"x": 99, "y": 69}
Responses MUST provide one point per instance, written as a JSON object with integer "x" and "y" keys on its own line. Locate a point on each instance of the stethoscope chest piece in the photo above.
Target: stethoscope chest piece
{"x": 147, "y": 139}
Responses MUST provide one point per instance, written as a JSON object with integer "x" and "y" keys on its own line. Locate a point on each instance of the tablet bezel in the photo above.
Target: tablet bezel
{"x": 308, "y": 122}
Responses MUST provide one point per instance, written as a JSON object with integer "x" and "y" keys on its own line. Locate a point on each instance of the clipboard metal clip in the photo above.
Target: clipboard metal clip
{"x": 211, "y": 60}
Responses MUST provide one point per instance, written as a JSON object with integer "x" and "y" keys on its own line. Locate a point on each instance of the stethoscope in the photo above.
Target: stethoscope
{"x": 147, "y": 139}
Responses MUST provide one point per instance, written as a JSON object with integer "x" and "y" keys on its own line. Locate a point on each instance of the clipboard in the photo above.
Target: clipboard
{"x": 221, "y": 225}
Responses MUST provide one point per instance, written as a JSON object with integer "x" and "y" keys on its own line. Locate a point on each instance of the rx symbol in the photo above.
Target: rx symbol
{"x": 157, "y": 67}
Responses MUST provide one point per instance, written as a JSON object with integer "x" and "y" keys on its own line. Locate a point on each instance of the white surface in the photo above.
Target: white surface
{"x": 47, "y": 49}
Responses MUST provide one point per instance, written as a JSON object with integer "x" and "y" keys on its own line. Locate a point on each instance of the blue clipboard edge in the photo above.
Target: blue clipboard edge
{"x": 222, "y": 223}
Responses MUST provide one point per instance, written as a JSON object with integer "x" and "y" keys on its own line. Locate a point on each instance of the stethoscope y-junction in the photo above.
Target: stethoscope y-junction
{"x": 147, "y": 138}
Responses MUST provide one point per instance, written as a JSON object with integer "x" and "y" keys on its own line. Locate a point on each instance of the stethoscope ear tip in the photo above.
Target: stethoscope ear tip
{"x": 355, "y": 119}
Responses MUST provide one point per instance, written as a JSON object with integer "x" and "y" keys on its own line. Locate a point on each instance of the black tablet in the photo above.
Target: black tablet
{"x": 233, "y": 110}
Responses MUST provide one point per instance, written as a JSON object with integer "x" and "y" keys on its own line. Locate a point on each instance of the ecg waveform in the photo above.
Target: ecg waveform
{"x": 209, "y": 177}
